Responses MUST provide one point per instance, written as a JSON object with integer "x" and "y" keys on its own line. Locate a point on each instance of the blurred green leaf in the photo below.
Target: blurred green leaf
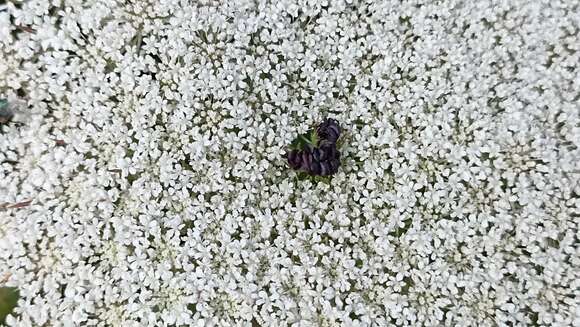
{"x": 3, "y": 103}
{"x": 8, "y": 300}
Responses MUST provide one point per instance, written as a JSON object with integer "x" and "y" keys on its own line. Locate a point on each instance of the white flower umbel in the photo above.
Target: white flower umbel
{"x": 147, "y": 185}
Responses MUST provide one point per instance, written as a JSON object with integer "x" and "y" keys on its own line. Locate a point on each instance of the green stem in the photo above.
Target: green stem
{"x": 305, "y": 139}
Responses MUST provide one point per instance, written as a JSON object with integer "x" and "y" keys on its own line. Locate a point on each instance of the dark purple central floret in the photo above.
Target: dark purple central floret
{"x": 329, "y": 130}
{"x": 294, "y": 159}
{"x": 322, "y": 159}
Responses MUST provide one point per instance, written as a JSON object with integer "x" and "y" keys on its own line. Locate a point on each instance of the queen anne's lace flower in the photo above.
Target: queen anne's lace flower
{"x": 144, "y": 180}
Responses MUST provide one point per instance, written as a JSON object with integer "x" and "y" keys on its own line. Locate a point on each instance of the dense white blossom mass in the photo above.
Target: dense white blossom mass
{"x": 145, "y": 182}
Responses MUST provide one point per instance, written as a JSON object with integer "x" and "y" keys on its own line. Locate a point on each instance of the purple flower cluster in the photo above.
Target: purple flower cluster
{"x": 321, "y": 158}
